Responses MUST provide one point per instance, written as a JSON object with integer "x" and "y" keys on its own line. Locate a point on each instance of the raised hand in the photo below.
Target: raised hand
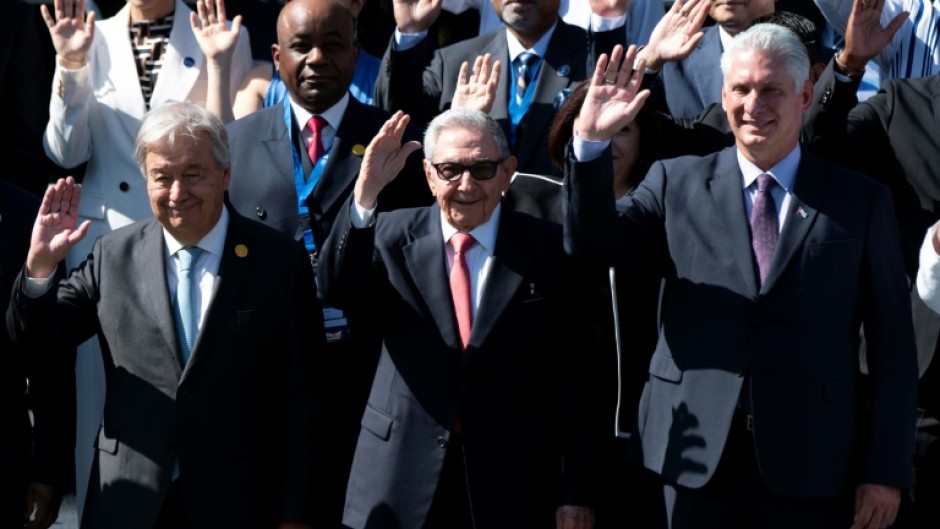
{"x": 55, "y": 232}
{"x": 71, "y": 32}
{"x": 614, "y": 97}
{"x": 677, "y": 33}
{"x": 864, "y": 35}
{"x": 414, "y": 16}
{"x": 477, "y": 89}
{"x": 609, "y": 8}
{"x": 384, "y": 159}
{"x": 210, "y": 27}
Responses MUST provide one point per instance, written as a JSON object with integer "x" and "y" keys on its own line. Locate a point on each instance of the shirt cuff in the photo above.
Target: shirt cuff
{"x": 360, "y": 216}
{"x": 928, "y": 275}
{"x": 35, "y": 287}
{"x": 587, "y": 150}
{"x": 406, "y": 41}
{"x": 599, "y": 23}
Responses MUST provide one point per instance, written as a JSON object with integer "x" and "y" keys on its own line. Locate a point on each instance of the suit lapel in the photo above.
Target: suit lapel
{"x": 233, "y": 271}
{"x": 342, "y": 168}
{"x": 562, "y": 57}
{"x": 277, "y": 146}
{"x": 182, "y": 62}
{"x": 808, "y": 189}
{"x": 151, "y": 261}
{"x": 728, "y": 197}
{"x": 502, "y": 282}
{"x": 425, "y": 262}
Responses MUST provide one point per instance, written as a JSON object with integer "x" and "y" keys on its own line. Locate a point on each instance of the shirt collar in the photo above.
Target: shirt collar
{"x": 213, "y": 242}
{"x": 333, "y": 115}
{"x": 540, "y": 48}
{"x": 725, "y": 38}
{"x": 784, "y": 172}
{"x": 484, "y": 234}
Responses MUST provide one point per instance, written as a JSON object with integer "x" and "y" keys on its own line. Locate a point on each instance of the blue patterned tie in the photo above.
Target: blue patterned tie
{"x": 525, "y": 67}
{"x": 764, "y": 224}
{"x": 186, "y": 311}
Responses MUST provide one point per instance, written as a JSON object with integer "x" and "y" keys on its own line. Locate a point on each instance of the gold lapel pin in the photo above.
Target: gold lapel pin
{"x": 241, "y": 250}
{"x": 358, "y": 149}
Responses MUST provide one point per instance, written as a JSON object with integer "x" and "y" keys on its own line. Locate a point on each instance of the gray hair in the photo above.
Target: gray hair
{"x": 776, "y": 40}
{"x": 464, "y": 118}
{"x": 188, "y": 119}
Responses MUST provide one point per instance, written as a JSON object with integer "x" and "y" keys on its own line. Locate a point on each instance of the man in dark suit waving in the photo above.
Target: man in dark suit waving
{"x": 755, "y": 411}
{"x": 478, "y": 401}
{"x": 208, "y": 325}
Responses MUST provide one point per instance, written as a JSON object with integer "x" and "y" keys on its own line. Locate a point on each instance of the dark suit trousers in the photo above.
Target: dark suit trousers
{"x": 172, "y": 515}
{"x": 451, "y": 506}
{"x": 736, "y": 498}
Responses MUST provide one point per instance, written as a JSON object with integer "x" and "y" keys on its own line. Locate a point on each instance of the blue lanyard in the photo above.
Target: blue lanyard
{"x": 517, "y": 111}
{"x": 304, "y": 186}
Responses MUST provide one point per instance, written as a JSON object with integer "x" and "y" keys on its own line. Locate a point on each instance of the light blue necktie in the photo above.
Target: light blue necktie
{"x": 186, "y": 311}
{"x": 525, "y": 67}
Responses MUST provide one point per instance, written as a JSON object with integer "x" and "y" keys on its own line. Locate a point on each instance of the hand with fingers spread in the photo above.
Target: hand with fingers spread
{"x": 676, "y": 34}
{"x": 614, "y": 97}
{"x": 384, "y": 159}
{"x": 477, "y": 89}
{"x": 876, "y": 506}
{"x": 217, "y": 41}
{"x": 415, "y": 16}
{"x": 55, "y": 232}
{"x": 865, "y": 37}
{"x": 72, "y": 31}
{"x": 210, "y": 27}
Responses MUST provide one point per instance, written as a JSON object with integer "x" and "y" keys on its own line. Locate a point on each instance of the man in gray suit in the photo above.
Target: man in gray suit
{"x": 207, "y": 323}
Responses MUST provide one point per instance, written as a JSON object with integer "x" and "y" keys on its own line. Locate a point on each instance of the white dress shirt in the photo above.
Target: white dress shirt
{"x": 205, "y": 269}
{"x": 332, "y": 115}
{"x": 928, "y": 275}
{"x": 784, "y": 173}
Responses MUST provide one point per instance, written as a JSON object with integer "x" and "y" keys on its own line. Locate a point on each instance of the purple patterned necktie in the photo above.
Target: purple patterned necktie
{"x": 764, "y": 224}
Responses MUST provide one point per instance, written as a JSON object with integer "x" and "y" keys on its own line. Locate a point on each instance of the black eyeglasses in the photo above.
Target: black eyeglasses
{"x": 479, "y": 170}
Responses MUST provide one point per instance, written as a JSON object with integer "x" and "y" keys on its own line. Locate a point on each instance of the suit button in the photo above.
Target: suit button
{"x": 261, "y": 213}
{"x": 441, "y": 442}
{"x": 124, "y": 186}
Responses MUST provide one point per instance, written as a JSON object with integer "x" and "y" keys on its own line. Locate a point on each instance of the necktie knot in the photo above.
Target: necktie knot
{"x": 462, "y": 242}
{"x": 765, "y": 182}
{"x": 525, "y": 67}
{"x": 187, "y": 256}
{"x": 315, "y": 125}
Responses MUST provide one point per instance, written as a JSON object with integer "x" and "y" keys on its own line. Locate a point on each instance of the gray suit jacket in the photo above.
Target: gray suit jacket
{"x": 685, "y": 88}
{"x": 236, "y": 419}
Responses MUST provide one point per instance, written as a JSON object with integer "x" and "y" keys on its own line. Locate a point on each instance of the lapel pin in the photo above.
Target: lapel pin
{"x": 189, "y": 62}
{"x": 801, "y": 212}
{"x": 531, "y": 289}
{"x": 241, "y": 250}
{"x": 358, "y": 149}
{"x": 564, "y": 70}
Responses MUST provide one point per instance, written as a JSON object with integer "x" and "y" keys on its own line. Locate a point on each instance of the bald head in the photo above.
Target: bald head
{"x": 316, "y": 51}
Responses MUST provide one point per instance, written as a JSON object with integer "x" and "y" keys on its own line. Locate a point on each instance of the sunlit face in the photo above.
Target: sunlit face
{"x": 467, "y": 202}
{"x": 527, "y": 16}
{"x": 625, "y": 147}
{"x": 764, "y": 108}
{"x": 185, "y": 186}
{"x": 315, "y": 53}
{"x": 149, "y": 9}
{"x": 737, "y": 15}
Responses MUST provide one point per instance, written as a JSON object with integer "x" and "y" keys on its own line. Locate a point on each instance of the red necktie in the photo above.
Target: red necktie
{"x": 315, "y": 126}
{"x": 460, "y": 285}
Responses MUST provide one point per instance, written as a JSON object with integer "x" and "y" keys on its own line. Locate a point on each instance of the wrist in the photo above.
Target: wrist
{"x": 848, "y": 65}
{"x": 72, "y": 63}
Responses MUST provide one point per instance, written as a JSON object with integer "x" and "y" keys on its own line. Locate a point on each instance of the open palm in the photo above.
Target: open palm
{"x": 71, "y": 32}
